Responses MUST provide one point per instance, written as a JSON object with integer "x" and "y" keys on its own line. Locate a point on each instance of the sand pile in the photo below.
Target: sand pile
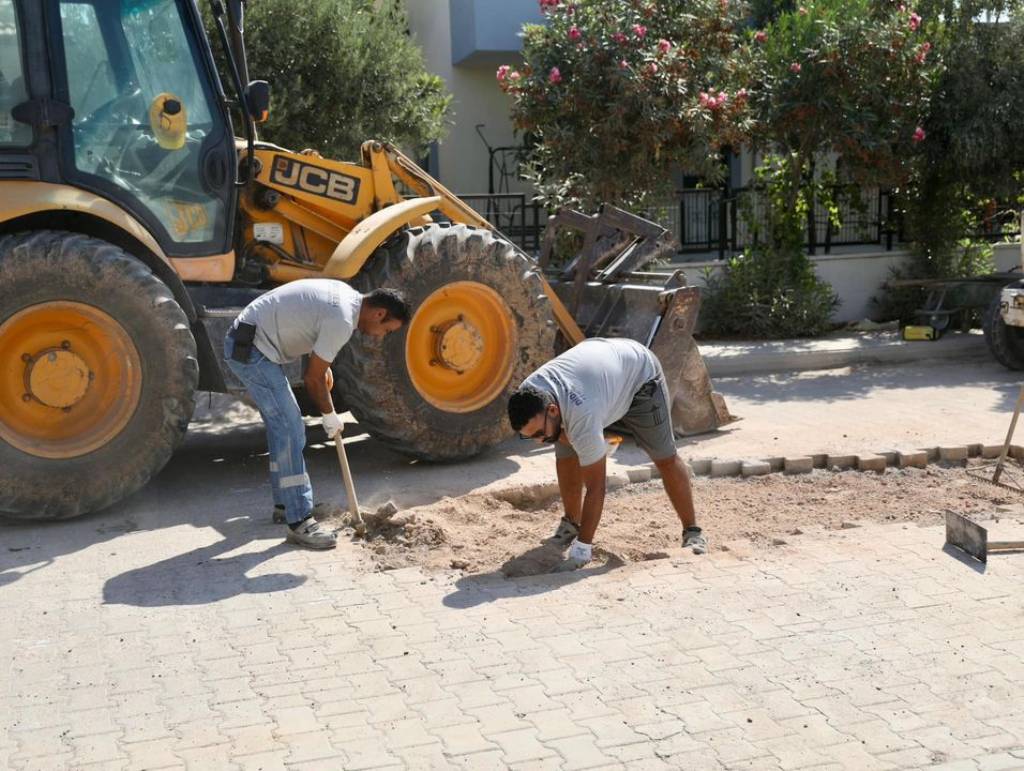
{"x": 507, "y": 533}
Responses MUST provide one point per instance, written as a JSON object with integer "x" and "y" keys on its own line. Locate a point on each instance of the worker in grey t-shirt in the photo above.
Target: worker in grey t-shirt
{"x": 313, "y": 317}
{"x": 569, "y": 401}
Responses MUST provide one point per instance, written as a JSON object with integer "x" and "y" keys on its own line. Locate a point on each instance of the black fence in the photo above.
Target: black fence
{"x": 725, "y": 223}
{"x": 707, "y": 220}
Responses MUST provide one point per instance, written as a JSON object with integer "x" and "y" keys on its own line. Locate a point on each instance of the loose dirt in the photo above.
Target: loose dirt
{"x": 506, "y": 533}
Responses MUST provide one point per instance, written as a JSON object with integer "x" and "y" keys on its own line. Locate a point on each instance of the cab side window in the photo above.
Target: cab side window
{"x": 12, "y": 81}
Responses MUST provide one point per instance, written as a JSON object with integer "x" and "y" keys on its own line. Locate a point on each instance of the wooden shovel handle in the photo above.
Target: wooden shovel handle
{"x": 350, "y": 488}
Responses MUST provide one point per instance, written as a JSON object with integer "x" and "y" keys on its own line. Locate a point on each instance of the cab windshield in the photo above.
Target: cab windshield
{"x": 143, "y": 109}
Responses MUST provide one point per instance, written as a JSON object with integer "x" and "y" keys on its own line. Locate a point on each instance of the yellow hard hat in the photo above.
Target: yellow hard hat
{"x": 169, "y": 121}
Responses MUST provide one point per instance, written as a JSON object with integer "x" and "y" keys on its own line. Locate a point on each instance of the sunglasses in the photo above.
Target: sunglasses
{"x": 542, "y": 434}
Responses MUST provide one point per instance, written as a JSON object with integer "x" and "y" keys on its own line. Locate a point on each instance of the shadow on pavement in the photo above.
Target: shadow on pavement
{"x": 482, "y": 588}
{"x": 218, "y": 478}
{"x": 959, "y": 556}
{"x": 202, "y": 575}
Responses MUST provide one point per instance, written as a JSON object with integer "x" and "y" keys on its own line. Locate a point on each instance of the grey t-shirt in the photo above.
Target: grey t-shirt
{"x": 313, "y": 315}
{"x": 594, "y": 384}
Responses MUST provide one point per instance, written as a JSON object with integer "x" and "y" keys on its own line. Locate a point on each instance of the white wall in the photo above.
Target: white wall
{"x": 857, "y": 277}
{"x": 463, "y": 158}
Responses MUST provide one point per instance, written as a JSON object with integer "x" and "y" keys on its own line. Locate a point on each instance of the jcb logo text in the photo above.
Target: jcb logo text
{"x": 315, "y": 180}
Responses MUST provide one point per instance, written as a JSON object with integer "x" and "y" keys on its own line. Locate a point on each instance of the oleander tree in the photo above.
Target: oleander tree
{"x": 617, "y": 92}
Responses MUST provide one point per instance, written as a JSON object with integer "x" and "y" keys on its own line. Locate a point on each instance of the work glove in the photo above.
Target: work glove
{"x": 579, "y": 555}
{"x": 566, "y": 532}
{"x": 332, "y": 424}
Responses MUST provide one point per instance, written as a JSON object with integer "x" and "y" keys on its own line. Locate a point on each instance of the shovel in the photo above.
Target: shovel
{"x": 350, "y": 489}
{"x": 971, "y": 538}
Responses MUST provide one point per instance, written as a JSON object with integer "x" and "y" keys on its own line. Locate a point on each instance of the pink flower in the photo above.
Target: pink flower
{"x": 664, "y": 46}
{"x": 802, "y": 11}
{"x": 915, "y": 22}
{"x": 618, "y": 37}
{"x": 514, "y": 76}
{"x": 639, "y": 30}
{"x": 795, "y": 67}
{"x": 623, "y": 64}
{"x": 503, "y": 71}
{"x": 574, "y": 33}
{"x": 547, "y": 5}
{"x": 760, "y": 36}
{"x": 555, "y": 76}
{"x": 742, "y": 94}
{"x": 652, "y": 68}
{"x": 919, "y": 135}
{"x": 710, "y": 101}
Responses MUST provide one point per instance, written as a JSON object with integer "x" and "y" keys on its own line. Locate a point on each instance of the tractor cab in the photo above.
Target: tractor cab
{"x": 138, "y": 109}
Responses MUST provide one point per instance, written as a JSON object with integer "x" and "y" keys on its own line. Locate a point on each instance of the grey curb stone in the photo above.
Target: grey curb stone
{"x": 724, "y": 468}
{"x": 819, "y": 460}
{"x": 799, "y": 465}
{"x": 776, "y": 464}
{"x": 974, "y": 450}
{"x": 892, "y": 458}
{"x": 842, "y": 462}
{"x": 755, "y": 468}
{"x": 701, "y": 466}
{"x": 953, "y": 454}
{"x": 618, "y": 479}
{"x": 871, "y": 463}
{"x": 639, "y": 474}
{"x": 914, "y": 458}
{"x": 991, "y": 451}
{"x": 932, "y": 452}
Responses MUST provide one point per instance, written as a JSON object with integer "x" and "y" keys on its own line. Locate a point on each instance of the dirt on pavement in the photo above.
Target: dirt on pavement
{"x": 506, "y": 532}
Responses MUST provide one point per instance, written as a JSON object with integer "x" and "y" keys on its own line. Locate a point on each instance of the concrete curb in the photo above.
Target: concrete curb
{"x": 877, "y": 462}
{"x": 732, "y": 360}
{"x": 716, "y": 468}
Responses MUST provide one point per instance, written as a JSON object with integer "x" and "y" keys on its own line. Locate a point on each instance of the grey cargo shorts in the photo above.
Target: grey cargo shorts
{"x": 649, "y": 421}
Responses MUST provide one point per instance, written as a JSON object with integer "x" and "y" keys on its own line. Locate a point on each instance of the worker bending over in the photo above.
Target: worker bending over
{"x": 569, "y": 401}
{"x": 313, "y": 317}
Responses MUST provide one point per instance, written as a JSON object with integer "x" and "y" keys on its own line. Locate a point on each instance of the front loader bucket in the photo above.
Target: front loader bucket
{"x": 608, "y": 297}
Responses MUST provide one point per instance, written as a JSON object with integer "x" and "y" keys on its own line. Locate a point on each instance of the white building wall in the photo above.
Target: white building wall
{"x": 462, "y": 156}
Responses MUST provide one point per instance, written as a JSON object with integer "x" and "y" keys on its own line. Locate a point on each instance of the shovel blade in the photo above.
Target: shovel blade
{"x": 970, "y": 537}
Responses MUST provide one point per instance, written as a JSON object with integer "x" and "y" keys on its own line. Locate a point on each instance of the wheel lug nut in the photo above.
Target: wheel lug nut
{"x": 26, "y": 397}
{"x": 26, "y": 357}
{"x": 65, "y": 344}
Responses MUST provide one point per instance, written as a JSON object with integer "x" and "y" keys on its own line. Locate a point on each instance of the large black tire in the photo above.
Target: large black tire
{"x": 372, "y": 376}
{"x": 55, "y": 266}
{"x": 1005, "y": 343}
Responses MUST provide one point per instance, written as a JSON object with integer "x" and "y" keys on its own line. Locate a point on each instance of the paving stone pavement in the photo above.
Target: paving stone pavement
{"x": 219, "y": 648}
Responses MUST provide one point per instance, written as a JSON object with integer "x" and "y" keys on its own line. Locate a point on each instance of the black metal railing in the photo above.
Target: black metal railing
{"x": 724, "y": 223}
{"x": 727, "y": 222}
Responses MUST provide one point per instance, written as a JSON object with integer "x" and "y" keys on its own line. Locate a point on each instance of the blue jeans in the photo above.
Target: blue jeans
{"x": 286, "y": 433}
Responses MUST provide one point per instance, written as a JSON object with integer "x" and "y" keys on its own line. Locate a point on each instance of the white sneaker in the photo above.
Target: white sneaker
{"x": 694, "y": 539}
{"x": 312, "y": 535}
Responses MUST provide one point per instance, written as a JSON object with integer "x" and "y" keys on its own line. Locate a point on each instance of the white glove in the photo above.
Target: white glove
{"x": 332, "y": 424}
{"x": 579, "y": 555}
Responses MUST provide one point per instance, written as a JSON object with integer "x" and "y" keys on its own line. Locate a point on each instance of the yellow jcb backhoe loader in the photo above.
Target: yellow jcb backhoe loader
{"x": 134, "y": 227}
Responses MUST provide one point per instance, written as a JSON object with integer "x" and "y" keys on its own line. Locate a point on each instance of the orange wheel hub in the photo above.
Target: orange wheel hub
{"x": 70, "y": 379}
{"x": 460, "y": 345}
